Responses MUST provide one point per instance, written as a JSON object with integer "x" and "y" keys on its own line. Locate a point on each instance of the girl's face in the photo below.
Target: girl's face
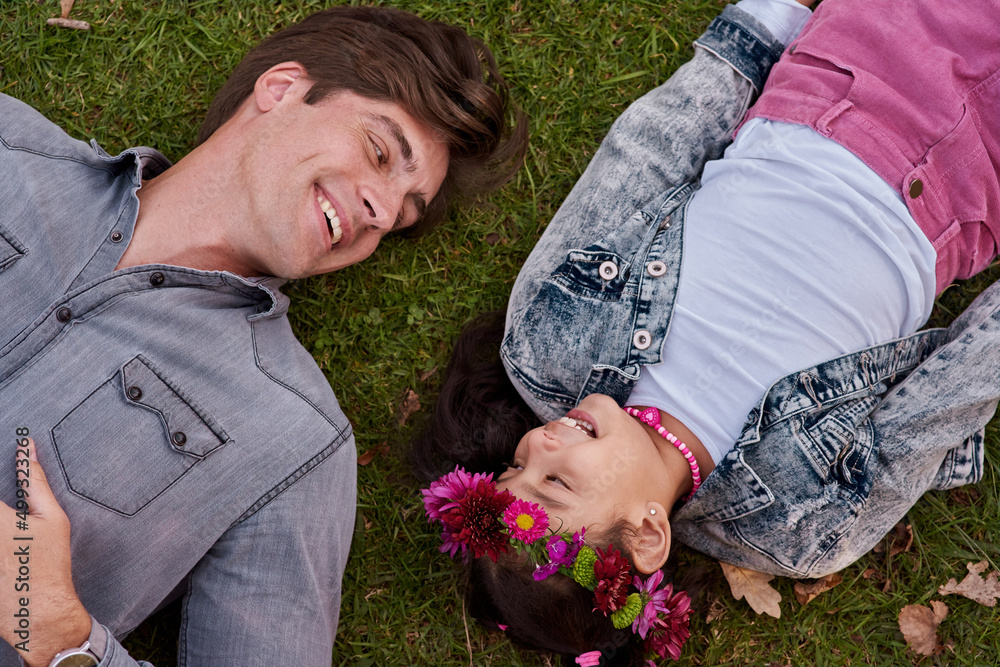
{"x": 589, "y": 468}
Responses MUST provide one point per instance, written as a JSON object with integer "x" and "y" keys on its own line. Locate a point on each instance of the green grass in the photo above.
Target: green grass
{"x": 144, "y": 75}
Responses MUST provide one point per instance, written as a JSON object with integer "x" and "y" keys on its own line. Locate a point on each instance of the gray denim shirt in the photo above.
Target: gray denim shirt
{"x": 832, "y": 456}
{"x": 194, "y": 444}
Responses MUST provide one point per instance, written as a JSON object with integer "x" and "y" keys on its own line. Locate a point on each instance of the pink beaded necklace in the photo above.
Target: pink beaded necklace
{"x": 651, "y": 417}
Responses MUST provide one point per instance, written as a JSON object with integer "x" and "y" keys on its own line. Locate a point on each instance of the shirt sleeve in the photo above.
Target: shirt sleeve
{"x": 783, "y": 18}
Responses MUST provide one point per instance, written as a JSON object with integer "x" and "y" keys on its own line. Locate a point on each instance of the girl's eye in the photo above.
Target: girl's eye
{"x": 557, "y": 480}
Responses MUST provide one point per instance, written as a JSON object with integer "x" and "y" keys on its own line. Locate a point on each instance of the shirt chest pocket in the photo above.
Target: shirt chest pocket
{"x": 133, "y": 438}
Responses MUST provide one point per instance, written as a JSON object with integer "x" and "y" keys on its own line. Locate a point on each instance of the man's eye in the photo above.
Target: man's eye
{"x": 379, "y": 155}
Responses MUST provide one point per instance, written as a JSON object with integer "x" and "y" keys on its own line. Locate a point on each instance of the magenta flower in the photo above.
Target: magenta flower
{"x": 525, "y": 520}
{"x": 472, "y": 522}
{"x": 668, "y": 631}
{"x": 589, "y": 659}
{"x": 448, "y": 489}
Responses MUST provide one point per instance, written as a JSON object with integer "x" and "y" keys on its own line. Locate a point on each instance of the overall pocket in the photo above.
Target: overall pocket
{"x": 132, "y": 438}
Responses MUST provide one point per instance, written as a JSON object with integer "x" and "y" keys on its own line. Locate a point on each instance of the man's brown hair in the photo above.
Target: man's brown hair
{"x": 436, "y": 72}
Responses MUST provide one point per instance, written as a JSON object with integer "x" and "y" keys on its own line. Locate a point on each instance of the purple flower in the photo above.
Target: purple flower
{"x": 472, "y": 522}
{"x": 656, "y": 601}
{"x": 561, "y": 553}
{"x": 445, "y": 491}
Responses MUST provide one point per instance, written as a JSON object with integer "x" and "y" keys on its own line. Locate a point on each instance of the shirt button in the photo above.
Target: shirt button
{"x": 116, "y": 237}
{"x": 916, "y": 187}
{"x": 134, "y": 393}
{"x": 64, "y": 314}
{"x": 642, "y": 339}
{"x": 608, "y": 270}
{"x": 656, "y": 269}
{"x": 156, "y": 279}
{"x": 179, "y": 438}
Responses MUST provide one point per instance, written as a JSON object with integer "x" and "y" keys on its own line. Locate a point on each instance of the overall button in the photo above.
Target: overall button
{"x": 916, "y": 187}
{"x": 134, "y": 393}
{"x": 179, "y": 438}
{"x": 156, "y": 279}
{"x": 608, "y": 270}
{"x": 116, "y": 237}
{"x": 656, "y": 269}
{"x": 642, "y": 339}
{"x": 64, "y": 314}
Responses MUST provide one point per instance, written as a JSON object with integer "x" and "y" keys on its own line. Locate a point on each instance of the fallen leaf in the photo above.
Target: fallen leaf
{"x": 492, "y": 238}
{"x": 716, "y": 611}
{"x": 753, "y": 586}
{"x": 69, "y": 23}
{"x": 919, "y": 626}
{"x": 806, "y": 592}
{"x": 984, "y": 591}
{"x": 370, "y": 455}
{"x": 410, "y": 404}
{"x": 898, "y": 541}
{"x": 423, "y": 377}
{"x": 66, "y": 6}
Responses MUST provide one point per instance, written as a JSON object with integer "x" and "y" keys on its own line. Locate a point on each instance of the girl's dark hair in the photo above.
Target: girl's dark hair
{"x": 436, "y": 72}
{"x": 479, "y": 416}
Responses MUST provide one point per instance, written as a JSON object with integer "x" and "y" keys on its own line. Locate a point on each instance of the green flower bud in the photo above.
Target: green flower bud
{"x": 583, "y": 568}
{"x": 625, "y": 616}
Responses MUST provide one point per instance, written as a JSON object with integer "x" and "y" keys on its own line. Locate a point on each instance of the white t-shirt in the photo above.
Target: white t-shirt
{"x": 795, "y": 252}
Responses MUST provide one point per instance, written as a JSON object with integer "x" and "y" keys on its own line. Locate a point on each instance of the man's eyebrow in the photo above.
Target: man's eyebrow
{"x": 397, "y": 133}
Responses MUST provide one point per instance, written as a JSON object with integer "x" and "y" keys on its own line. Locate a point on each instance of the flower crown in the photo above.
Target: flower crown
{"x": 479, "y": 520}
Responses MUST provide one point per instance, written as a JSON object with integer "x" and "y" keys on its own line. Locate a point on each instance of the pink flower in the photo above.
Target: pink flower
{"x": 589, "y": 659}
{"x": 656, "y": 601}
{"x": 525, "y": 520}
{"x": 611, "y": 572}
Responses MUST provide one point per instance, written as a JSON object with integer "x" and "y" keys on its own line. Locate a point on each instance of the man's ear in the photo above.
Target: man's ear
{"x": 280, "y": 80}
{"x": 653, "y": 545}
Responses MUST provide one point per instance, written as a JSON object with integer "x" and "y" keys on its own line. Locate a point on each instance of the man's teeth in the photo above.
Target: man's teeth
{"x": 332, "y": 221}
{"x": 578, "y": 424}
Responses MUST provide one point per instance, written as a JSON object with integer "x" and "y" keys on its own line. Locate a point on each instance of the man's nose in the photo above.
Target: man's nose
{"x": 381, "y": 208}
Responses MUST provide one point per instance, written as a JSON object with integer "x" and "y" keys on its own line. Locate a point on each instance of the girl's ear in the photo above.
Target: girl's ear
{"x": 653, "y": 547}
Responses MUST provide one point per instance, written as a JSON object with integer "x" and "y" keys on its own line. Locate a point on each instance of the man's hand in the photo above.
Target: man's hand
{"x": 40, "y": 613}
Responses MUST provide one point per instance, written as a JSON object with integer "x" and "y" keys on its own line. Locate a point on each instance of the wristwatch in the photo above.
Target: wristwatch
{"x": 76, "y": 657}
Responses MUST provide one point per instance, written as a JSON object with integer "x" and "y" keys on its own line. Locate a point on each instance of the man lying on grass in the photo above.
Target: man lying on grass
{"x": 147, "y": 363}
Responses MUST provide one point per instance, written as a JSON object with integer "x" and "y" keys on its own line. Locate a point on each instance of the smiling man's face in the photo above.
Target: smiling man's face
{"x": 326, "y": 181}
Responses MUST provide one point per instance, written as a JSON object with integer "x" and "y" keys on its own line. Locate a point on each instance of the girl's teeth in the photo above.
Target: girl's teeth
{"x": 578, "y": 424}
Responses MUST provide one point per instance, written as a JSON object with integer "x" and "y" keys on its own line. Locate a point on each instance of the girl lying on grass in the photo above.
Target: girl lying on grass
{"x": 792, "y": 415}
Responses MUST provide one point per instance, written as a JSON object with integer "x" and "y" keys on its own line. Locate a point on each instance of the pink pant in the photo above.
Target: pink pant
{"x": 912, "y": 87}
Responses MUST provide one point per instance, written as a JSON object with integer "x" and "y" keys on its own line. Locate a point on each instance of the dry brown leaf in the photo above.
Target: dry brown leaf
{"x": 69, "y": 23}
{"x": 370, "y": 455}
{"x": 410, "y": 404}
{"x": 919, "y": 626}
{"x": 806, "y": 592}
{"x": 753, "y": 586}
{"x": 716, "y": 611}
{"x": 66, "y": 6}
{"x": 423, "y": 377}
{"x": 984, "y": 591}
{"x": 898, "y": 541}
